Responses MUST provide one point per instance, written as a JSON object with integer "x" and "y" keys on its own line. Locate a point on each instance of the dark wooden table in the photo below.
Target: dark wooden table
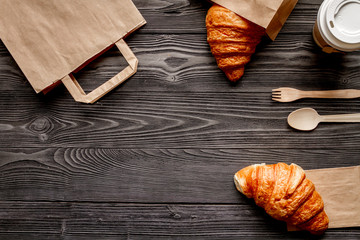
{"x": 155, "y": 158}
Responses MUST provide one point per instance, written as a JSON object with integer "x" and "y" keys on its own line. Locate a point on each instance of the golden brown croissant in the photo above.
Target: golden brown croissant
{"x": 285, "y": 193}
{"x": 232, "y": 40}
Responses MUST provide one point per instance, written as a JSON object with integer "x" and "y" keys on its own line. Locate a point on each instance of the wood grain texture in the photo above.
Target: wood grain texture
{"x": 170, "y": 120}
{"x": 145, "y": 221}
{"x": 188, "y": 16}
{"x": 144, "y": 175}
{"x": 184, "y": 63}
{"x": 155, "y": 158}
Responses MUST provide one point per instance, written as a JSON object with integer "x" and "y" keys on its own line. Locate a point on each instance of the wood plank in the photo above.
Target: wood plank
{"x": 174, "y": 16}
{"x": 184, "y": 63}
{"x": 170, "y": 120}
{"x": 144, "y": 175}
{"x": 144, "y": 221}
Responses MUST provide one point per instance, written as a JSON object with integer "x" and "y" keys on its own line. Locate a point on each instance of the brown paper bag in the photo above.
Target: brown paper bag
{"x": 50, "y": 39}
{"x": 340, "y": 191}
{"x": 270, "y": 14}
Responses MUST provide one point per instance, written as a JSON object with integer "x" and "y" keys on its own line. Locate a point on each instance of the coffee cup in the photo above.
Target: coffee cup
{"x": 337, "y": 27}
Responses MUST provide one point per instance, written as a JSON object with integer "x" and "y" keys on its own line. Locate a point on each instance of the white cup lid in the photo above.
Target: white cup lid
{"x": 343, "y": 20}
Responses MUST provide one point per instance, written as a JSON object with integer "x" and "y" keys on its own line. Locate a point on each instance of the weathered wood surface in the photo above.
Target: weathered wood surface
{"x": 144, "y": 221}
{"x": 154, "y": 159}
{"x": 144, "y": 175}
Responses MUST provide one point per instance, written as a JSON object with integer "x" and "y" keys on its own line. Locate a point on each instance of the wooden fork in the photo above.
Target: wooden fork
{"x": 291, "y": 94}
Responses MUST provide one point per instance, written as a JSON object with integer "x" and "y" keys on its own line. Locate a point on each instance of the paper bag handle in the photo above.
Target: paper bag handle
{"x": 78, "y": 93}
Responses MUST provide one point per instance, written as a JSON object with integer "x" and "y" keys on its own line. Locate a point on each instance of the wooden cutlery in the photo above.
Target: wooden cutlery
{"x": 307, "y": 119}
{"x": 286, "y": 94}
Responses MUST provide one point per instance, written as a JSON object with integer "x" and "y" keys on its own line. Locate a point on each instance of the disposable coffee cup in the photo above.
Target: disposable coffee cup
{"x": 337, "y": 27}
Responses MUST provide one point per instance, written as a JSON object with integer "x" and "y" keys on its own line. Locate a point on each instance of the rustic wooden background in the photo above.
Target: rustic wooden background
{"x": 155, "y": 158}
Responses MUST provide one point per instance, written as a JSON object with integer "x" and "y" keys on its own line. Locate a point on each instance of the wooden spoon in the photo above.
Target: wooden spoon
{"x": 307, "y": 119}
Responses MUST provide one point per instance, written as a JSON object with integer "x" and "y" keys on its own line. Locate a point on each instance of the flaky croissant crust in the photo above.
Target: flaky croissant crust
{"x": 232, "y": 40}
{"x": 285, "y": 193}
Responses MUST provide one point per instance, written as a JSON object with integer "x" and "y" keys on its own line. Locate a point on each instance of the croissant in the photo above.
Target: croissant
{"x": 232, "y": 40}
{"x": 285, "y": 193}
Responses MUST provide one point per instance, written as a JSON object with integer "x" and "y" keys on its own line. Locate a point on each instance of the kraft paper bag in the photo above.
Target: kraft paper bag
{"x": 50, "y": 39}
{"x": 270, "y": 14}
{"x": 340, "y": 191}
